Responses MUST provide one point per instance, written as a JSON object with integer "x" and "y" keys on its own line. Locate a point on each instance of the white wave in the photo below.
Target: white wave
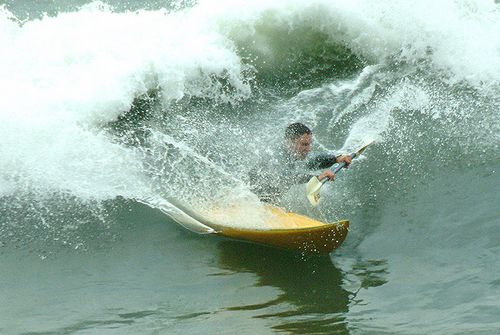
{"x": 460, "y": 37}
{"x": 61, "y": 77}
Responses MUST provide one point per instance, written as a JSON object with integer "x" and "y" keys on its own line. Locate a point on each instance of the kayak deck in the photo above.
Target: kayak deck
{"x": 290, "y": 231}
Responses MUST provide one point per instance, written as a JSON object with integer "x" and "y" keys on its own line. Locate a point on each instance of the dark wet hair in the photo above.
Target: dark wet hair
{"x": 296, "y": 130}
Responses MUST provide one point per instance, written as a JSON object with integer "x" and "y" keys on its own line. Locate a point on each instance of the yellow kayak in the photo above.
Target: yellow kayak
{"x": 307, "y": 235}
{"x": 281, "y": 229}
{"x": 266, "y": 225}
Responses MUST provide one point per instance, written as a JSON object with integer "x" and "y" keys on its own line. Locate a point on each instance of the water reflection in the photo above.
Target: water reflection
{"x": 312, "y": 299}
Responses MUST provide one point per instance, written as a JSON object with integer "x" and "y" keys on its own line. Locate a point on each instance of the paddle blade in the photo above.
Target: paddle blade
{"x": 312, "y": 191}
{"x": 360, "y": 151}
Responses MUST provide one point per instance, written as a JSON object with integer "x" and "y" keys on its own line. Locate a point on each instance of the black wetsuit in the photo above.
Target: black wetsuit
{"x": 277, "y": 173}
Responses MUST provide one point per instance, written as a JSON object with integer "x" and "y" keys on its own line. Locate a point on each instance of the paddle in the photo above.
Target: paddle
{"x": 314, "y": 185}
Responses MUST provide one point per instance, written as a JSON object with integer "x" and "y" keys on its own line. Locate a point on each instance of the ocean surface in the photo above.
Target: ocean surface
{"x": 106, "y": 103}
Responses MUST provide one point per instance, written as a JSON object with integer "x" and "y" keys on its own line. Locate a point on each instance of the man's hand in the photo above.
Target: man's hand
{"x": 344, "y": 158}
{"x": 327, "y": 174}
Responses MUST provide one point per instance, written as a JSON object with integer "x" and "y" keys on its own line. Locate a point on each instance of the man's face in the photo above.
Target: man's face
{"x": 301, "y": 146}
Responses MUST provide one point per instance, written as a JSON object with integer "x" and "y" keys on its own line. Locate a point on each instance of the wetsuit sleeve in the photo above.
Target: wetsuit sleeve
{"x": 322, "y": 161}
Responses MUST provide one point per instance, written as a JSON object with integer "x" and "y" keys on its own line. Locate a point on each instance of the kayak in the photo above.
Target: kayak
{"x": 291, "y": 231}
{"x": 280, "y": 229}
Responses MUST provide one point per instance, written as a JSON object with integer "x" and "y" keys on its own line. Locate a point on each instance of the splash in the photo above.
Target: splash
{"x": 228, "y": 76}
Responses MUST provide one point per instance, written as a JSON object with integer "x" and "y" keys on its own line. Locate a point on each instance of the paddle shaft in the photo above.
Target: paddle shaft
{"x": 340, "y": 167}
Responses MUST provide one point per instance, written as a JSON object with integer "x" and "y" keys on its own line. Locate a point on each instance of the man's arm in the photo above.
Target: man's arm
{"x": 323, "y": 161}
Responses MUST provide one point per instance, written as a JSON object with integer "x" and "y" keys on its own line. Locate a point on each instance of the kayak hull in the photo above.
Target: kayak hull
{"x": 320, "y": 239}
{"x": 290, "y": 231}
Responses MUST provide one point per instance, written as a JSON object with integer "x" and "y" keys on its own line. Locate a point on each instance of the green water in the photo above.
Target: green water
{"x": 423, "y": 269}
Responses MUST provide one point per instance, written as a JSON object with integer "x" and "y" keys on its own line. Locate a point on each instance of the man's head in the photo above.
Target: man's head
{"x": 298, "y": 140}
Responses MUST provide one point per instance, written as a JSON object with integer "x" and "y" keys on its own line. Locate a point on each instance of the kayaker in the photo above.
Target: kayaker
{"x": 290, "y": 165}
